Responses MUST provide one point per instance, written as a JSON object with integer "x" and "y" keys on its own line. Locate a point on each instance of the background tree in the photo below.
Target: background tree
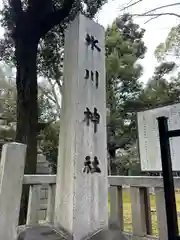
{"x": 171, "y": 46}
{"x": 7, "y": 109}
{"x": 158, "y": 90}
{"x": 48, "y": 124}
{"x": 128, "y": 162}
{"x": 8, "y": 95}
{"x": 49, "y": 143}
{"x": 47, "y": 118}
{"x": 124, "y": 46}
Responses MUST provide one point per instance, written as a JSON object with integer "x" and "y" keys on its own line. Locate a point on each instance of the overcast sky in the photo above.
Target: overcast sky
{"x": 156, "y": 30}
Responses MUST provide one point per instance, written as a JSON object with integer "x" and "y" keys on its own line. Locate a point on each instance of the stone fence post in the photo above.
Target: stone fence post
{"x": 11, "y": 180}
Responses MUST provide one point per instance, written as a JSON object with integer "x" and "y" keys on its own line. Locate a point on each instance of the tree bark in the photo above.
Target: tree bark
{"x": 27, "y": 110}
{"x": 112, "y": 154}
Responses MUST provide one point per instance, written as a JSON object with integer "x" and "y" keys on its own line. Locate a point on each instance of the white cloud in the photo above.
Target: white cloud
{"x": 156, "y": 30}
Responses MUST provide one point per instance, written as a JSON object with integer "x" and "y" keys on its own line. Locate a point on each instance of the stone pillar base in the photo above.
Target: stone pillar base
{"x": 47, "y": 232}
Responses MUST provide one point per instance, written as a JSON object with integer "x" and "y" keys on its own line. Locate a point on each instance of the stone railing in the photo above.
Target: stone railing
{"x": 36, "y": 182}
{"x": 12, "y": 179}
{"x": 142, "y": 212}
{"x": 140, "y": 201}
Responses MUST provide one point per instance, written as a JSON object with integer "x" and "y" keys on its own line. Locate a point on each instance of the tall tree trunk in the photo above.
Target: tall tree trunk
{"x": 112, "y": 154}
{"x": 27, "y": 110}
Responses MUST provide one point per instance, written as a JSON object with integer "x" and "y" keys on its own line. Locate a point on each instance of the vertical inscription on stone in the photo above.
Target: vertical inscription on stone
{"x": 90, "y": 40}
{"x": 94, "y": 117}
{"x": 92, "y": 76}
{"x": 86, "y": 74}
{"x": 96, "y": 73}
{"x": 88, "y": 116}
{"x": 97, "y": 79}
{"x": 95, "y": 164}
{"x": 81, "y": 205}
{"x": 87, "y": 165}
{"x": 91, "y": 166}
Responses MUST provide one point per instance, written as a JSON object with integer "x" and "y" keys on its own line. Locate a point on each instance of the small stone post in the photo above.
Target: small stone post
{"x": 81, "y": 205}
{"x": 11, "y": 180}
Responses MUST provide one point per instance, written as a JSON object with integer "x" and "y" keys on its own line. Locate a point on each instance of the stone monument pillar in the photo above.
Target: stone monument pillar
{"x": 82, "y": 185}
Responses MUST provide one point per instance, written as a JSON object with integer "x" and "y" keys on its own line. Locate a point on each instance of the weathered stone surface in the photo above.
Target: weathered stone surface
{"x": 33, "y": 204}
{"x": 111, "y": 233}
{"x": 11, "y": 179}
{"x": 161, "y": 214}
{"x": 81, "y": 205}
{"x": 41, "y": 233}
{"x": 49, "y": 233}
{"x": 43, "y": 168}
{"x": 42, "y": 214}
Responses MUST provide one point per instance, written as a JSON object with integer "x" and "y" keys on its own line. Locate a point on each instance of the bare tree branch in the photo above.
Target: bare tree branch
{"x": 58, "y": 108}
{"x": 56, "y": 81}
{"x": 130, "y": 5}
{"x": 46, "y": 93}
{"x": 156, "y": 15}
{"x": 152, "y": 18}
{"x": 56, "y": 16}
{"x": 59, "y": 85}
{"x": 164, "y": 6}
{"x": 150, "y": 12}
{"x": 52, "y": 96}
{"x": 129, "y": 2}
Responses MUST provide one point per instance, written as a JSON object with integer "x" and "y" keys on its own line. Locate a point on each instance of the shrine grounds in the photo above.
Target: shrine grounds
{"x": 128, "y": 216}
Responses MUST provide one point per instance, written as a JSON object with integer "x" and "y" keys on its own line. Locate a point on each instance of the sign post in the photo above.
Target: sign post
{"x": 159, "y": 141}
{"x": 169, "y": 193}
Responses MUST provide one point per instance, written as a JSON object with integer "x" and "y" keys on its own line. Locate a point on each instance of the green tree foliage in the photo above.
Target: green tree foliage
{"x": 34, "y": 35}
{"x": 48, "y": 127}
{"x": 128, "y": 162}
{"x": 49, "y": 143}
{"x": 7, "y": 110}
{"x": 124, "y": 46}
{"x": 8, "y": 97}
{"x": 158, "y": 91}
{"x": 171, "y": 46}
